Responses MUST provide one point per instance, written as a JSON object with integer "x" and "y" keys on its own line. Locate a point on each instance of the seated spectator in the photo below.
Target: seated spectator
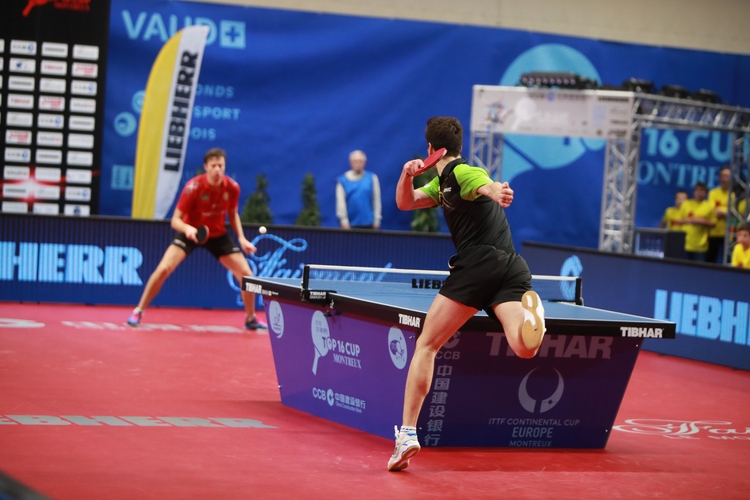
{"x": 697, "y": 216}
{"x": 672, "y": 214}
{"x": 741, "y": 253}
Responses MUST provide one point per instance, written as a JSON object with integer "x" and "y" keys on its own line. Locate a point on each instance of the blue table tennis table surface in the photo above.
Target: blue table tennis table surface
{"x": 379, "y": 296}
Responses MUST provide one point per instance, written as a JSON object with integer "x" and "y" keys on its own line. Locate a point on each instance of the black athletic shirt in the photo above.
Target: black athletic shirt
{"x": 473, "y": 219}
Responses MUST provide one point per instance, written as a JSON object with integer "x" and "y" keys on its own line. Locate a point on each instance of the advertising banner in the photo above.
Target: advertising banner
{"x": 567, "y": 396}
{"x": 351, "y": 368}
{"x": 340, "y": 368}
{"x": 672, "y": 160}
{"x": 108, "y": 260}
{"x": 581, "y": 113}
{"x": 288, "y": 93}
{"x": 708, "y": 303}
{"x": 164, "y": 128}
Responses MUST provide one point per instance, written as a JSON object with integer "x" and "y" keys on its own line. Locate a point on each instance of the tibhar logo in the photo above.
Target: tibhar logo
{"x": 276, "y": 318}
{"x": 405, "y": 319}
{"x": 253, "y": 288}
{"x": 530, "y": 404}
{"x": 560, "y": 346}
{"x": 397, "y": 347}
{"x": 634, "y": 331}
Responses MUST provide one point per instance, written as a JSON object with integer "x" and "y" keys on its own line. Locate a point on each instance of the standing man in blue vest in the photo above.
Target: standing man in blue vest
{"x": 358, "y": 196}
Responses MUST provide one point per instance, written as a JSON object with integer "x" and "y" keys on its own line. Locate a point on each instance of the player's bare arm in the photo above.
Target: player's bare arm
{"x": 500, "y": 192}
{"x": 181, "y": 226}
{"x": 236, "y": 223}
{"x": 408, "y": 198}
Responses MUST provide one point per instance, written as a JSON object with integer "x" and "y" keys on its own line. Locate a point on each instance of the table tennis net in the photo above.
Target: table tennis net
{"x": 374, "y": 280}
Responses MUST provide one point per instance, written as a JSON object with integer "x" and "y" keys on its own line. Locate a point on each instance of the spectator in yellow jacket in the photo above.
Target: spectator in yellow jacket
{"x": 698, "y": 217}
{"x": 741, "y": 253}
{"x": 719, "y": 198}
{"x": 672, "y": 214}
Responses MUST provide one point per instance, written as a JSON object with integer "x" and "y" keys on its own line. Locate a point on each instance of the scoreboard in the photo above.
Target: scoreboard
{"x": 52, "y": 75}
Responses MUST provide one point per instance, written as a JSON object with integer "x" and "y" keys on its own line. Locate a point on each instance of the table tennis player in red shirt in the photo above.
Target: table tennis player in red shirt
{"x": 199, "y": 219}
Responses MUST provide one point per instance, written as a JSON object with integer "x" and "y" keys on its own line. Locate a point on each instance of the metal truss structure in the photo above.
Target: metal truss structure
{"x": 487, "y": 151}
{"x": 619, "y": 195}
{"x": 617, "y": 226}
{"x": 684, "y": 114}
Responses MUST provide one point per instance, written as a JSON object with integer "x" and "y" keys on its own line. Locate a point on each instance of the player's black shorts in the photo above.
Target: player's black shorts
{"x": 219, "y": 246}
{"x": 483, "y": 276}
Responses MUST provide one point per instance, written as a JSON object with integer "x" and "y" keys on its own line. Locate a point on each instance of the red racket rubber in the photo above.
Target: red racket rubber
{"x": 430, "y": 161}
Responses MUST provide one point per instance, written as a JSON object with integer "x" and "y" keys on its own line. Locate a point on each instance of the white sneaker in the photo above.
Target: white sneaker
{"x": 407, "y": 445}
{"x": 533, "y": 328}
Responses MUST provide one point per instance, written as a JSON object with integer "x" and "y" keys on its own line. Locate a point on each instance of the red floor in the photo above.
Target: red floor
{"x": 191, "y": 410}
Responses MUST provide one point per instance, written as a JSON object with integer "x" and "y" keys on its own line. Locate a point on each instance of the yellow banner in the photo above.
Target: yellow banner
{"x": 164, "y": 128}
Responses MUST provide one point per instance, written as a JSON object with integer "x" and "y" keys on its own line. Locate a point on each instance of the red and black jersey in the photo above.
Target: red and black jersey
{"x": 206, "y": 205}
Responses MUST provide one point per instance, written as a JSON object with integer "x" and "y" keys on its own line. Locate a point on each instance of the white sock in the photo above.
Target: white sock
{"x": 408, "y": 430}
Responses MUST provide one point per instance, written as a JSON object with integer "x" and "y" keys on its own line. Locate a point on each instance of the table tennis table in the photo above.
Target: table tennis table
{"x": 342, "y": 339}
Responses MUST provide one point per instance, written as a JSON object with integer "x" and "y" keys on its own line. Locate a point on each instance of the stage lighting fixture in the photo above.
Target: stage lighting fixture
{"x": 609, "y": 86}
{"x": 563, "y": 80}
{"x": 675, "y": 91}
{"x": 638, "y": 85}
{"x": 704, "y": 95}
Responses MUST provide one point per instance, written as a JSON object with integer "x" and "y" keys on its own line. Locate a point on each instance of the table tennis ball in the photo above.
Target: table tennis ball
{"x": 262, "y": 230}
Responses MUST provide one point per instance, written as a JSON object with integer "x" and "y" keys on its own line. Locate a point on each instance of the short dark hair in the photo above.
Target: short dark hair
{"x": 744, "y": 227}
{"x": 701, "y": 185}
{"x": 725, "y": 167}
{"x": 214, "y": 153}
{"x": 681, "y": 191}
{"x": 445, "y": 132}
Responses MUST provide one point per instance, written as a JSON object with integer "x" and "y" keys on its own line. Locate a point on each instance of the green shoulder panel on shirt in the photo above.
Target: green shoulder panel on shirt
{"x": 432, "y": 189}
{"x": 470, "y": 179}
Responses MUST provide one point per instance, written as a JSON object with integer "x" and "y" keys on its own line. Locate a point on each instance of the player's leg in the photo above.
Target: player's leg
{"x": 444, "y": 317}
{"x": 519, "y": 309}
{"x": 523, "y": 323}
{"x": 237, "y": 264}
{"x": 169, "y": 262}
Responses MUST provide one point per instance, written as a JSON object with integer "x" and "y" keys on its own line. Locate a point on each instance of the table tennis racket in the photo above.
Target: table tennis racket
{"x": 202, "y": 235}
{"x": 430, "y": 161}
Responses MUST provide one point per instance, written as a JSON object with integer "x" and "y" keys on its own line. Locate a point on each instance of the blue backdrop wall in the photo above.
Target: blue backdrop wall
{"x": 286, "y": 93}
